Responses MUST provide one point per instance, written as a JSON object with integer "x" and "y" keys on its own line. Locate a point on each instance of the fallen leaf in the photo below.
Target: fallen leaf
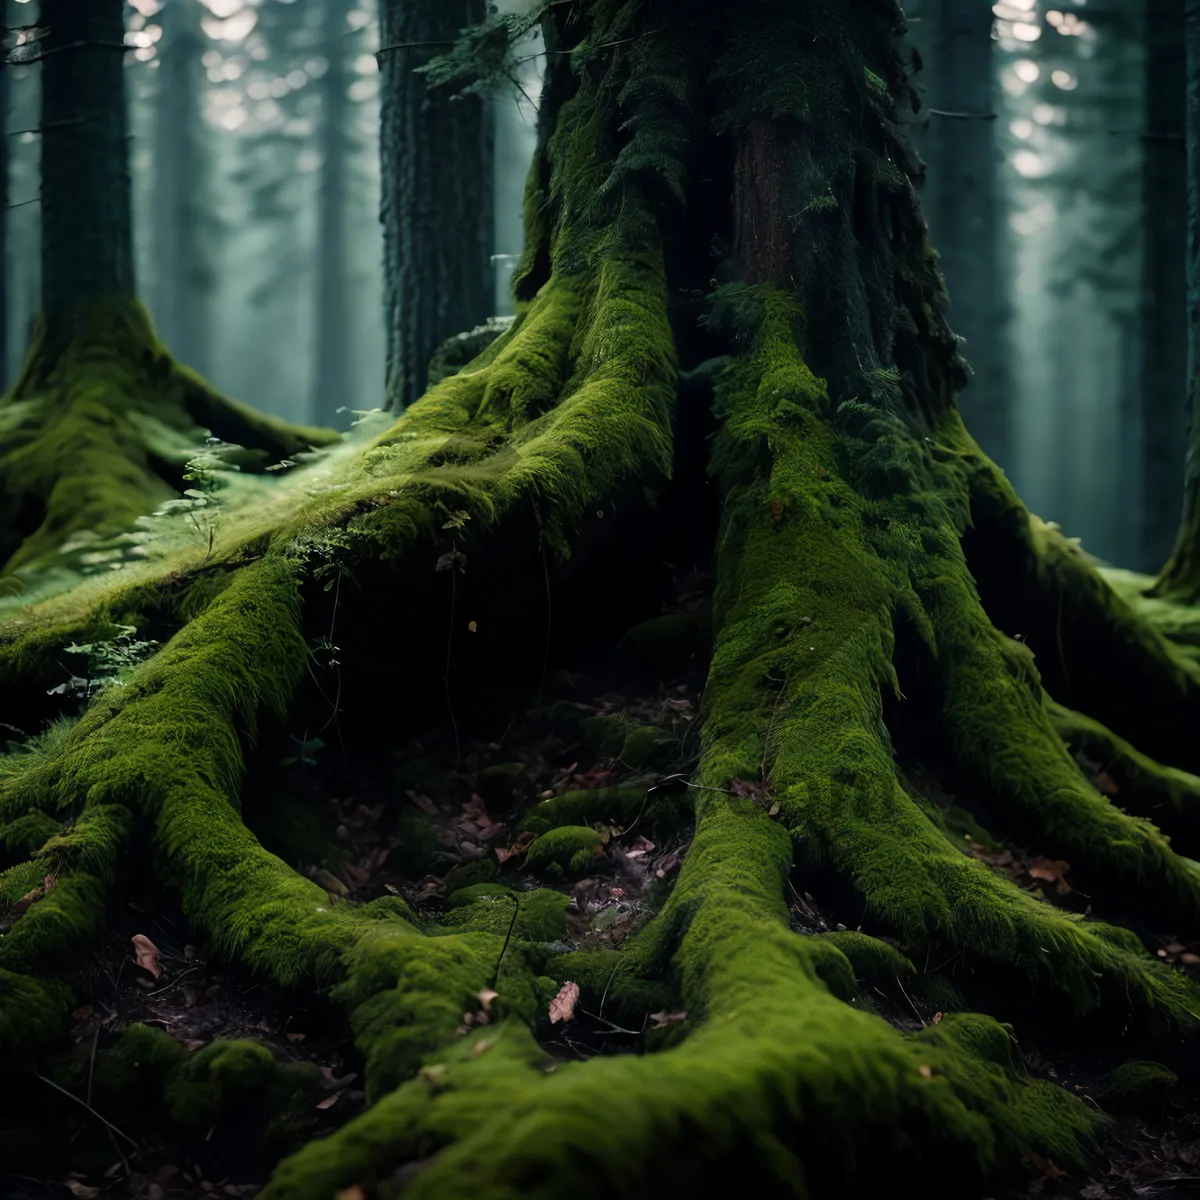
{"x": 641, "y": 847}
{"x": 352, "y": 1193}
{"x": 1106, "y": 783}
{"x": 479, "y": 1047}
{"x": 1052, "y": 871}
{"x": 1046, "y": 1167}
{"x": 660, "y": 1020}
{"x": 562, "y": 1007}
{"x": 83, "y": 1190}
{"x": 1189, "y": 958}
{"x": 925, "y": 1071}
{"x": 329, "y": 1101}
{"x": 750, "y": 788}
{"x": 331, "y": 883}
{"x": 296, "y": 1037}
{"x": 48, "y": 883}
{"x": 452, "y": 558}
{"x": 424, "y": 803}
{"x": 82, "y": 1013}
{"x": 485, "y": 996}
{"x": 937, "y": 1016}
{"x": 472, "y": 626}
{"x": 146, "y": 953}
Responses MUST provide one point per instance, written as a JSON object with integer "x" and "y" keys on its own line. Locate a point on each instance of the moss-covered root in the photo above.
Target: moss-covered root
{"x": 805, "y": 606}
{"x": 781, "y": 1089}
{"x": 1177, "y": 620}
{"x": 1094, "y": 651}
{"x": 1166, "y": 795}
{"x": 69, "y": 881}
{"x": 95, "y": 434}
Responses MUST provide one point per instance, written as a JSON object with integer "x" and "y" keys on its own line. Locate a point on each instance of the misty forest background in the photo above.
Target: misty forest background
{"x": 1055, "y": 194}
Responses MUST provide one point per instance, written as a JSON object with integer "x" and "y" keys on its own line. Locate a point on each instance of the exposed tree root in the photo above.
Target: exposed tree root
{"x": 98, "y": 434}
{"x": 852, "y": 505}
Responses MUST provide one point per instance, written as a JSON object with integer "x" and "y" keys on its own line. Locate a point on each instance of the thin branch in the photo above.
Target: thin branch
{"x": 962, "y": 116}
{"x": 48, "y": 125}
{"x": 83, "y": 1104}
{"x": 37, "y": 58}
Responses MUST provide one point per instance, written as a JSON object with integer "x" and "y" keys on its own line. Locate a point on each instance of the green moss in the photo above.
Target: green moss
{"x": 27, "y": 833}
{"x": 665, "y": 643}
{"x": 869, "y": 956}
{"x": 477, "y": 891}
{"x": 1135, "y": 1087}
{"x": 483, "y": 870}
{"x": 619, "y": 805}
{"x": 640, "y": 744}
{"x": 603, "y": 735}
{"x": 570, "y": 849}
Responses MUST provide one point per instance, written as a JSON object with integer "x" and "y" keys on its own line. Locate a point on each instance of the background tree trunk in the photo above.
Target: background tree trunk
{"x": 1164, "y": 298}
{"x": 1181, "y": 576}
{"x": 436, "y": 202}
{"x": 331, "y": 337}
{"x": 180, "y": 211}
{"x": 962, "y": 206}
{"x": 87, "y": 224}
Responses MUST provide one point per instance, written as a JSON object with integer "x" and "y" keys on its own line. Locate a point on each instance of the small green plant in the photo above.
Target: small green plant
{"x": 201, "y": 503}
{"x": 107, "y": 660}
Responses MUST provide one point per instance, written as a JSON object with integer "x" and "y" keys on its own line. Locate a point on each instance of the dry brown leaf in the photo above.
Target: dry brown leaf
{"x": 562, "y": 1007}
{"x": 1106, "y": 783}
{"x": 1052, "y": 871}
{"x": 352, "y": 1193}
{"x": 48, "y": 883}
{"x": 423, "y": 802}
{"x": 84, "y": 1191}
{"x": 1189, "y": 958}
{"x": 329, "y": 1101}
{"x": 473, "y": 626}
{"x": 146, "y": 953}
{"x": 750, "y": 788}
{"x": 660, "y": 1020}
{"x": 485, "y": 996}
{"x": 1046, "y": 1167}
{"x": 641, "y": 848}
{"x": 937, "y": 1016}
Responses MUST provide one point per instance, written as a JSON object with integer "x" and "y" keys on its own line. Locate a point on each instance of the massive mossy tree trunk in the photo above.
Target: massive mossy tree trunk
{"x": 95, "y": 431}
{"x": 882, "y": 600}
{"x": 436, "y": 204}
{"x": 181, "y": 202}
{"x": 1163, "y": 416}
{"x": 331, "y": 306}
{"x": 961, "y": 202}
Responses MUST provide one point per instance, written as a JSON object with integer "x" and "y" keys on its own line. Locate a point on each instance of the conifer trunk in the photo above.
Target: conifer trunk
{"x": 436, "y": 204}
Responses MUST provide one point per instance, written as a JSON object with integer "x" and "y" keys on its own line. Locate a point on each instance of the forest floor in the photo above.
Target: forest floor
{"x": 363, "y": 821}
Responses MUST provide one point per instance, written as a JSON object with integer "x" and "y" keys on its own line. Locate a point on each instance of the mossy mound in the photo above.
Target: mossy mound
{"x": 568, "y": 850}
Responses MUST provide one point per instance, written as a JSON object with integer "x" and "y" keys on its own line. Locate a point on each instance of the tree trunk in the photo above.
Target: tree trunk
{"x": 87, "y": 228}
{"x": 436, "y": 202}
{"x": 1181, "y": 576}
{"x": 961, "y": 203}
{"x": 4, "y": 202}
{"x": 868, "y": 655}
{"x": 331, "y": 308}
{"x": 180, "y": 211}
{"x": 1164, "y": 419}
{"x": 100, "y": 426}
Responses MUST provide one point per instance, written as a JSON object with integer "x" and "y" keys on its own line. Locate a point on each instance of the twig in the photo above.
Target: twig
{"x": 504, "y": 948}
{"x": 910, "y": 1003}
{"x": 962, "y": 116}
{"x": 103, "y": 1120}
{"x": 606, "y": 987}
{"x": 48, "y": 125}
{"x": 37, "y": 58}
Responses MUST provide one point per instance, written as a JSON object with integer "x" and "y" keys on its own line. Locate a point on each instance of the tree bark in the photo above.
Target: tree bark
{"x": 961, "y": 202}
{"x": 1181, "y": 575}
{"x": 180, "y": 213}
{"x": 436, "y": 204}
{"x": 1164, "y": 328}
{"x": 868, "y": 697}
{"x": 87, "y": 223}
{"x": 331, "y": 308}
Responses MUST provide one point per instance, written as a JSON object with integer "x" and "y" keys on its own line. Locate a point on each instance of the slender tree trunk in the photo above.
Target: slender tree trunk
{"x": 87, "y": 224}
{"x": 436, "y": 204}
{"x": 1164, "y": 336}
{"x": 331, "y": 337}
{"x": 4, "y": 306}
{"x": 1181, "y": 576}
{"x": 962, "y": 206}
{"x": 179, "y": 213}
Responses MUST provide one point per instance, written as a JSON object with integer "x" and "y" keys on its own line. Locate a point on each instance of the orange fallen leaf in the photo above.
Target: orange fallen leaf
{"x": 562, "y": 1007}
{"x": 1052, "y": 871}
{"x": 147, "y": 954}
{"x": 1046, "y": 1167}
